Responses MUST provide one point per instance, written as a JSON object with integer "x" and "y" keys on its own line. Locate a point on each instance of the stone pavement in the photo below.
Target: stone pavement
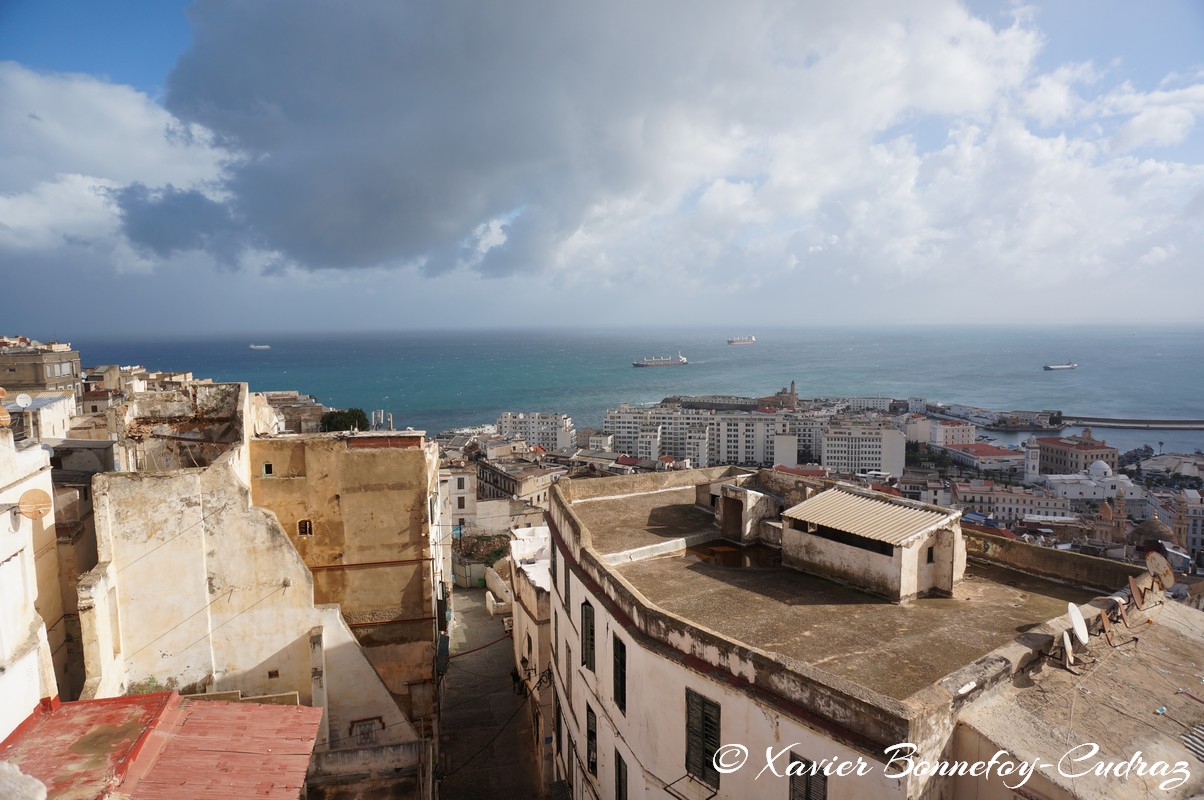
{"x": 486, "y": 728}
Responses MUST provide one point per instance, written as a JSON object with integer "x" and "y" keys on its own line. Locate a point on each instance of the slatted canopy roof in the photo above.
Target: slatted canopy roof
{"x": 882, "y": 519}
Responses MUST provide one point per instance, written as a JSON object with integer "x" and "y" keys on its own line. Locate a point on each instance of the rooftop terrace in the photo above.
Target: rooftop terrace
{"x": 895, "y": 650}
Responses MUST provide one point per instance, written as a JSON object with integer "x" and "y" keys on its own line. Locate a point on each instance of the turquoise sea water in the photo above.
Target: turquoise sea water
{"x": 436, "y": 380}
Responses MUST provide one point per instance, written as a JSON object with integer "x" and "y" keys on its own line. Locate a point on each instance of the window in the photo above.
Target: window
{"x": 552, "y": 570}
{"x": 305, "y": 527}
{"x": 363, "y": 731}
{"x": 267, "y": 469}
{"x": 931, "y": 557}
{"x": 620, "y": 777}
{"x": 620, "y": 673}
{"x": 587, "y": 636}
{"x": 702, "y": 738}
{"x": 591, "y": 741}
{"x": 459, "y": 502}
{"x": 807, "y": 782}
{"x": 460, "y": 485}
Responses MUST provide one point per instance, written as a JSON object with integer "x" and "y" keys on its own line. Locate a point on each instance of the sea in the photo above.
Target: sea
{"x": 434, "y": 381}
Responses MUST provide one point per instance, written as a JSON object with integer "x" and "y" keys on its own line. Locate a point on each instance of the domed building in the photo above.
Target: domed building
{"x": 1097, "y": 482}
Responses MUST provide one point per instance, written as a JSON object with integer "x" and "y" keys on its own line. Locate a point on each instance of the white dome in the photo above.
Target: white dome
{"x": 1099, "y": 470}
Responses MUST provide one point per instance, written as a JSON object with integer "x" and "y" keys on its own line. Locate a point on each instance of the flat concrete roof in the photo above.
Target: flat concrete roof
{"x": 891, "y": 649}
{"x": 638, "y": 520}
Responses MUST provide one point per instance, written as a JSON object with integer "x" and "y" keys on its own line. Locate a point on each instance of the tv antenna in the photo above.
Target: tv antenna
{"x": 24, "y": 401}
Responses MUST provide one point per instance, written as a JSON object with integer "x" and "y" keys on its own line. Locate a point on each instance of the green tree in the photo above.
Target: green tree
{"x": 352, "y": 418}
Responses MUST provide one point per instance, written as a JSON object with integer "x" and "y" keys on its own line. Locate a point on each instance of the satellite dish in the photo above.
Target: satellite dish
{"x": 24, "y": 400}
{"x": 34, "y": 504}
{"x": 1160, "y": 568}
{"x": 5, "y": 417}
{"x": 1076, "y": 620}
{"x": 1138, "y": 594}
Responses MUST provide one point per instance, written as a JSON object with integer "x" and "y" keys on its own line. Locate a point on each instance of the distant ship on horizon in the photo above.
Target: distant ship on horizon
{"x": 261, "y": 347}
{"x": 661, "y": 361}
{"x": 742, "y": 340}
{"x": 1067, "y": 365}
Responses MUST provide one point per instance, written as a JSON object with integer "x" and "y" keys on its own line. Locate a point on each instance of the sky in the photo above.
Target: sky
{"x": 216, "y": 166}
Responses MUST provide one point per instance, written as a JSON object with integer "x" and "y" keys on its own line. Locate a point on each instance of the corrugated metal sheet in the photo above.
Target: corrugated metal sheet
{"x": 869, "y": 517}
{"x": 234, "y": 750}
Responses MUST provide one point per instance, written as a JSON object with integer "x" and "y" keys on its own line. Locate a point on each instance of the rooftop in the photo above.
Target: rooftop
{"x": 162, "y": 747}
{"x": 894, "y": 650}
{"x": 1111, "y": 700}
{"x": 872, "y": 517}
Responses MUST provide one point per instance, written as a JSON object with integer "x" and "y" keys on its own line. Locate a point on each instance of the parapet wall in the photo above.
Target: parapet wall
{"x": 584, "y": 489}
{"x": 1047, "y": 562}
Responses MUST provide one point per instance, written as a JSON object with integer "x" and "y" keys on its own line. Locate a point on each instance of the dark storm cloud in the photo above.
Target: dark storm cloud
{"x": 170, "y": 220}
{"x": 380, "y": 133}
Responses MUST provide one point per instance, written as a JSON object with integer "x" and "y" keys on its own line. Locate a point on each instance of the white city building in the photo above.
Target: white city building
{"x": 857, "y": 446}
{"x": 549, "y": 431}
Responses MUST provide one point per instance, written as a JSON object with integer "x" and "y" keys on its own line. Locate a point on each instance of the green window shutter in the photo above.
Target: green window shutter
{"x": 619, "y": 672}
{"x": 702, "y": 738}
{"x": 807, "y": 786}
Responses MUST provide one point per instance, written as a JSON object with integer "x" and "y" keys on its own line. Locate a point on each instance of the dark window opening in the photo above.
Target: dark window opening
{"x": 620, "y": 777}
{"x": 267, "y": 469}
{"x": 931, "y": 555}
{"x": 587, "y": 636}
{"x": 305, "y": 527}
{"x": 852, "y": 540}
{"x": 620, "y": 673}
{"x": 591, "y": 741}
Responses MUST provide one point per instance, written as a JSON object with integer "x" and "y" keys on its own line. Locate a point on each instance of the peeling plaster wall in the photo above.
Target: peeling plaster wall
{"x": 200, "y": 591}
{"x": 368, "y": 506}
{"x": 182, "y": 428}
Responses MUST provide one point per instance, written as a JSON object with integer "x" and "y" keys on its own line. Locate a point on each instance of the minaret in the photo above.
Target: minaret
{"x": 1119, "y": 517}
{"x": 1032, "y": 461}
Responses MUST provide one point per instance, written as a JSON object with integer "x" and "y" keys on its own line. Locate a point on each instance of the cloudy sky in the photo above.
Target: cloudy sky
{"x": 219, "y": 165}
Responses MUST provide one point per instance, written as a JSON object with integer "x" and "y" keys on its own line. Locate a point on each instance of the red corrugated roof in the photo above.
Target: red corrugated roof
{"x": 161, "y": 747}
{"x": 979, "y": 449}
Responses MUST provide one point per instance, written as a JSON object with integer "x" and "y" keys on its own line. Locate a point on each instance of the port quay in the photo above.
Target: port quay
{"x": 1135, "y": 424}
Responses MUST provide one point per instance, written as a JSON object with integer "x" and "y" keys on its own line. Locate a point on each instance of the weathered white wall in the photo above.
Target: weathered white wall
{"x": 651, "y": 734}
{"x": 864, "y": 569}
{"x": 27, "y": 670}
{"x": 212, "y": 597}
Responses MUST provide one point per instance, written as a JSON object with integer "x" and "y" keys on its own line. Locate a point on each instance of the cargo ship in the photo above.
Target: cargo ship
{"x": 743, "y": 340}
{"x": 261, "y": 347}
{"x": 1067, "y": 365}
{"x": 661, "y": 361}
